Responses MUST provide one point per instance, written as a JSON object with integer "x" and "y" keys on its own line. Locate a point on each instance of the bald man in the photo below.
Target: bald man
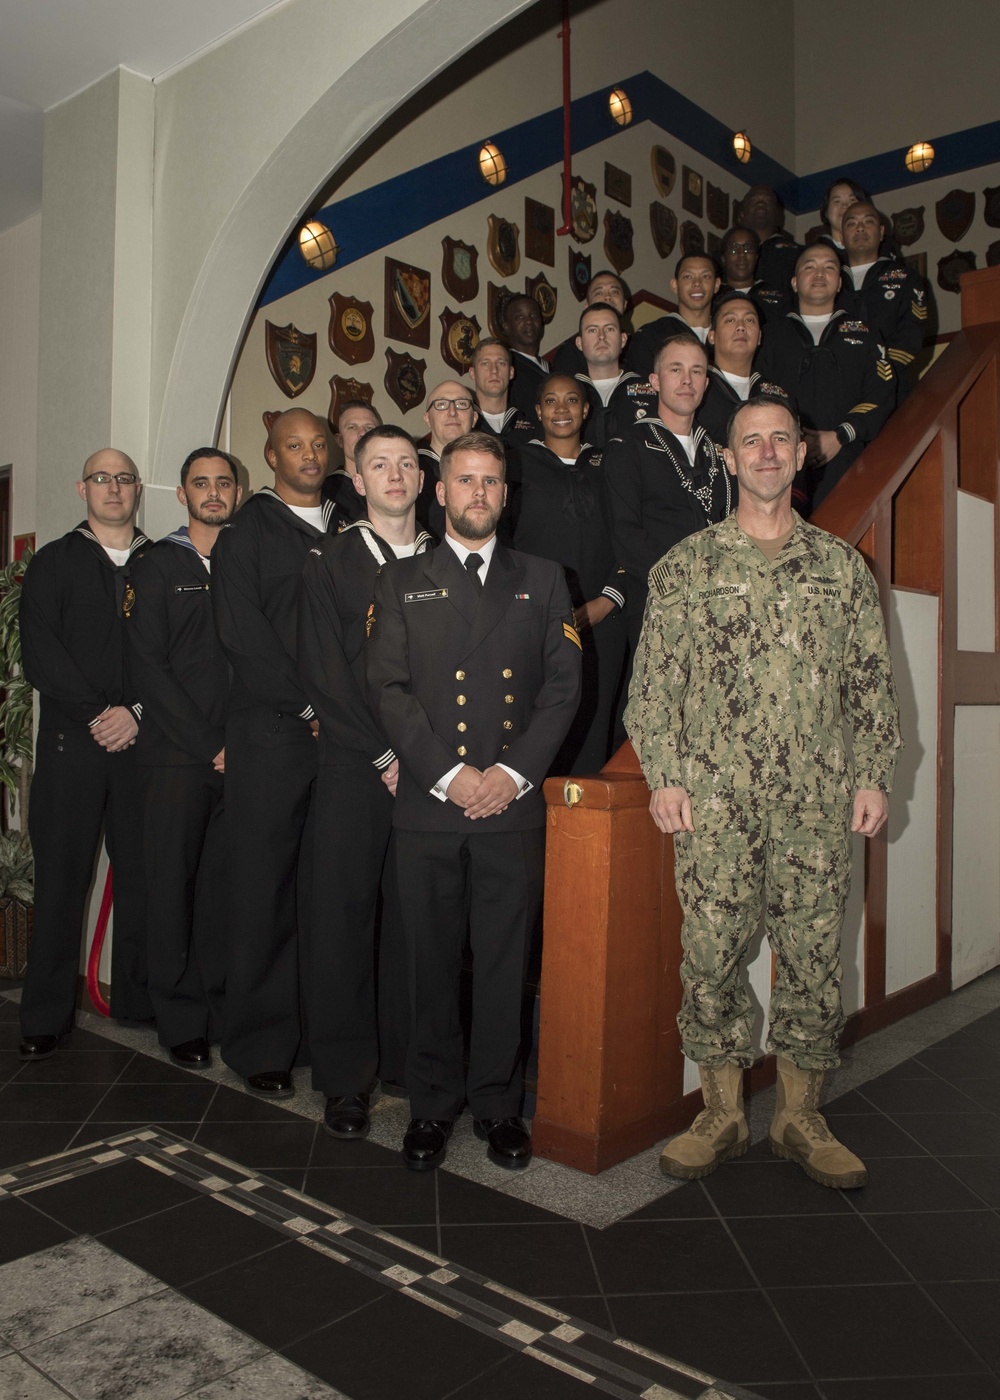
{"x": 450, "y": 413}
{"x": 271, "y": 750}
{"x": 74, "y": 598}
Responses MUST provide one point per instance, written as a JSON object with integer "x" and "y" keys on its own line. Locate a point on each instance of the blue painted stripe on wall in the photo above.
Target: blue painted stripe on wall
{"x": 377, "y": 217}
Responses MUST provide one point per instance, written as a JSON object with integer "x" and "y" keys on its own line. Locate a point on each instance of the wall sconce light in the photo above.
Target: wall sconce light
{"x": 318, "y": 245}
{"x": 919, "y": 157}
{"x": 620, "y": 107}
{"x": 492, "y": 166}
{"x": 742, "y": 148}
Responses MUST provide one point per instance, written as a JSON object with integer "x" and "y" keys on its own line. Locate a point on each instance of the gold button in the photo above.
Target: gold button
{"x": 507, "y": 673}
{"x": 460, "y": 675}
{"x": 508, "y": 724}
{"x": 462, "y": 726}
{"x": 461, "y": 750}
{"x": 508, "y": 699}
{"x": 459, "y": 699}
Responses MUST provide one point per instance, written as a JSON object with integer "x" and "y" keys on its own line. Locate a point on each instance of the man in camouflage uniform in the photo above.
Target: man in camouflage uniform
{"x": 762, "y": 640}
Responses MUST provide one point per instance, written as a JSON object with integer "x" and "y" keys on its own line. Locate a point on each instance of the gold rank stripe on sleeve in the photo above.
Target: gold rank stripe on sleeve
{"x": 572, "y": 634}
{"x": 864, "y": 408}
{"x": 919, "y": 311}
{"x": 902, "y": 357}
{"x": 884, "y": 368}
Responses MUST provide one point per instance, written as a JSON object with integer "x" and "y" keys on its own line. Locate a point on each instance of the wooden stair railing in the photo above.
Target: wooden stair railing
{"x": 610, "y": 1070}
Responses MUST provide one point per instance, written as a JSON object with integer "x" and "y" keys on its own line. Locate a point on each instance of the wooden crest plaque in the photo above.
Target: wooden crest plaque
{"x": 717, "y": 204}
{"x": 407, "y": 303}
{"x": 579, "y": 273}
{"x": 539, "y": 232}
{"x": 459, "y": 337}
{"x": 692, "y": 238}
{"x": 583, "y": 207}
{"x": 351, "y": 333}
{"x": 404, "y": 380}
{"x": 951, "y": 268}
{"x": 908, "y": 226}
{"x": 664, "y": 169}
{"x": 341, "y": 390}
{"x": 503, "y": 245}
{"x": 663, "y": 226}
{"x": 459, "y": 271}
{"x": 617, "y": 184}
{"x": 692, "y": 192}
{"x": 618, "y": 240}
{"x": 496, "y": 308}
{"x": 291, "y": 357}
{"x": 544, "y": 293}
{"x": 955, "y": 212}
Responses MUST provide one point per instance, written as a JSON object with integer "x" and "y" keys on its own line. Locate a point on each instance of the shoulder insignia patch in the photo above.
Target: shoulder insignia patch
{"x": 660, "y": 580}
{"x": 572, "y": 635}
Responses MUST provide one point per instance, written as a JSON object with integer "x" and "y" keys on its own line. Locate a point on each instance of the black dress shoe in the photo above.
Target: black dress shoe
{"x": 192, "y": 1054}
{"x": 38, "y": 1047}
{"x": 425, "y": 1143}
{"x": 346, "y": 1116}
{"x": 271, "y": 1084}
{"x": 508, "y": 1141}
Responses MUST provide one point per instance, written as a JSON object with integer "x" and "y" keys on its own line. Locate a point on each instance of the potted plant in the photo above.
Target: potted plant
{"x": 16, "y": 710}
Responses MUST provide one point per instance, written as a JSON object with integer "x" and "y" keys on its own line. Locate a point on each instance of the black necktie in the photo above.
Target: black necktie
{"x": 472, "y": 563}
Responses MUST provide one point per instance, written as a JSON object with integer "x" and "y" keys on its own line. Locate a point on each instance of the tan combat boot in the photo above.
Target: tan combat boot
{"x": 718, "y": 1133}
{"x": 800, "y": 1133}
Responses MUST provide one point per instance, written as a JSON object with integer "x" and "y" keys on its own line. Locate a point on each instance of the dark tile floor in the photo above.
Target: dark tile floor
{"x": 755, "y": 1274}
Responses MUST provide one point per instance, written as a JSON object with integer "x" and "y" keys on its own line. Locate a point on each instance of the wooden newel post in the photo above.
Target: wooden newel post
{"x": 610, "y": 1072}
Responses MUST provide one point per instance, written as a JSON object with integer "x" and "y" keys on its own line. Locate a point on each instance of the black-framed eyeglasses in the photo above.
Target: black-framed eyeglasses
{"x": 442, "y": 405}
{"x": 105, "y": 478}
{"x": 741, "y": 248}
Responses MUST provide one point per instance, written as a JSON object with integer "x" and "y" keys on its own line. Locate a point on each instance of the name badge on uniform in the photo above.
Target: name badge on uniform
{"x": 724, "y": 590}
{"x": 191, "y": 587}
{"x": 424, "y": 595}
{"x": 822, "y": 589}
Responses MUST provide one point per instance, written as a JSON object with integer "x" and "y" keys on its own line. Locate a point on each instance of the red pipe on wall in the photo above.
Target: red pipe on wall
{"x": 567, "y": 139}
{"x": 94, "y": 961}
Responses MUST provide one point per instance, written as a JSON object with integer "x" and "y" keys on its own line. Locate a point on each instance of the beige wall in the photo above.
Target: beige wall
{"x": 20, "y": 271}
{"x": 871, "y": 77}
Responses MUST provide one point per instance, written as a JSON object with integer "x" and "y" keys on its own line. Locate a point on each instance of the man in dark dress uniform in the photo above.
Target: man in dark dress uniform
{"x": 665, "y": 477}
{"x": 760, "y": 212}
{"x": 523, "y": 326}
{"x": 739, "y": 253}
{"x": 606, "y": 288}
{"x": 450, "y": 412}
{"x": 734, "y": 337}
{"x": 182, "y": 679}
{"x": 356, "y": 418}
{"x": 72, "y": 645}
{"x": 885, "y": 293}
{"x": 832, "y": 368}
{"x": 561, "y": 514}
{"x": 694, "y": 284}
{"x": 616, "y": 397}
{"x": 270, "y": 750}
{"x": 358, "y": 772}
{"x": 474, "y": 683}
{"x": 491, "y": 372}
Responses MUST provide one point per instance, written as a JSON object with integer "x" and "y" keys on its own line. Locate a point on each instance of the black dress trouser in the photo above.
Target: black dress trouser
{"x": 76, "y": 788}
{"x": 188, "y": 895}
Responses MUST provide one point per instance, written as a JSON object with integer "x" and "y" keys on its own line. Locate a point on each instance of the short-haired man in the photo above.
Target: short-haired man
{"x": 349, "y": 1044}
{"x": 270, "y": 749}
{"x": 665, "y": 477}
{"x": 617, "y": 398}
{"x": 523, "y": 328}
{"x": 734, "y": 337}
{"x": 761, "y": 212}
{"x": 491, "y": 371}
{"x": 738, "y": 255}
{"x": 763, "y": 648}
{"x": 606, "y": 288}
{"x": 474, "y": 681}
{"x": 450, "y": 413}
{"x": 889, "y": 297}
{"x": 832, "y": 368}
{"x": 694, "y": 284}
{"x": 72, "y": 645}
{"x": 355, "y": 418}
{"x": 181, "y": 677}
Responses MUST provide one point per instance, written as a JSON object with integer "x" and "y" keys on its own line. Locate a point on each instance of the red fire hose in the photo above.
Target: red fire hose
{"x": 567, "y": 139}
{"x": 94, "y": 961}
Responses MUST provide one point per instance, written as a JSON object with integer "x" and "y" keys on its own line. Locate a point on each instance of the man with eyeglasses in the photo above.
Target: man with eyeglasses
{"x": 451, "y": 412}
{"x": 74, "y": 598}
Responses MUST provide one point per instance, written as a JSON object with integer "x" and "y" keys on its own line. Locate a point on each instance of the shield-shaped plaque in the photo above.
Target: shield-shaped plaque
{"x": 917, "y": 262}
{"x": 692, "y": 192}
{"x": 503, "y": 246}
{"x": 583, "y": 205}
{"x": 991, "y": 206}
{"x": 692, "y": 238}
{"x": 539, "y": 232}
{"x": 663, "y": 226}
{"x": 341, "y": 390}
{"x": 664, "y": 169}
{"x": 717, "y": 203}
{"x": 269, "y": 416}
{"x": 404, "y": 380}
{"x": 714, "y": 248}
{"x": 993, "y": 254}
{"x": 579, "y": 273}
{"x": 291, "y": 357}
{"x": 497, "y": 299}
{"x": 351, "y": 333}
{"x": 459, "y": 271}
{"x": 618, "y": 240}
{"x": 951, "y": 268}
{"x": 459, "y": 337}
{"x": 908, "y": 226}
{"x": 407, "y": 303}
{"x": 955, "y": 213}
{"x": 544, "y": 293}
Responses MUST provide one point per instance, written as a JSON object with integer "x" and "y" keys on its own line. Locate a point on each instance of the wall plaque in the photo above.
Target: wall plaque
{"x": 459, "y": 337}
{"x": 539, "y": 232}
{"x": 291, "y": 357}
{"x": 459, "y": 270}
{"x": 692, "y": 192}
{"x": 663, "y": 226}
{"x": 908, "y": 226}
{"x": 950, "y": 269}
{"x": 544, "y": 293}
{"x": 497, "y": 299}
{"x": 342, "y": 390}
{"x": 717, "y": 203}
{"x": 351, "y": 333}
{"x": 618, "y": 240}
{"x": 503, "y": 247}
{"x": 583, "y": 205}
{"x": 617, "y": 184}
{"x": 664, "y": 169}
{"x": 692, "y": 238}
{"x": 404, "y": 379}
{"x": 407, "y": 303}
{"x": 579, "y": 273}
{"x": 955, "y": 212}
